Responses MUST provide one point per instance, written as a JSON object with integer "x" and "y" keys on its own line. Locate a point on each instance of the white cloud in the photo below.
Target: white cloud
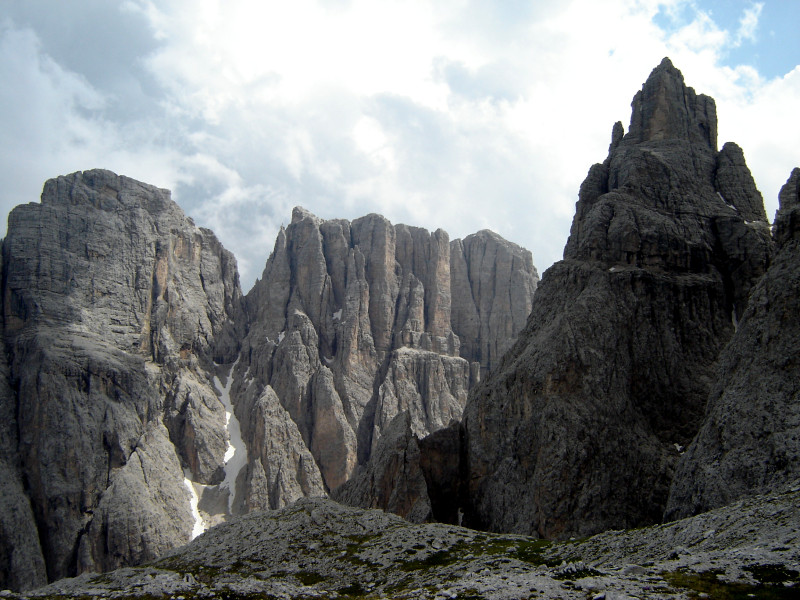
{"x": 748, "y": 23}
{"x": 457, "y": 114}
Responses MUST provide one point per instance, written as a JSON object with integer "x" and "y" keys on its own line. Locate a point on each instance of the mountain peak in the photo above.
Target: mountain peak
{"x": 666, "y": 109}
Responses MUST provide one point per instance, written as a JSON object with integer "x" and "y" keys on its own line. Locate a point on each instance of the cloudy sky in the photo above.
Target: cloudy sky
{"x": 460, "y": 114}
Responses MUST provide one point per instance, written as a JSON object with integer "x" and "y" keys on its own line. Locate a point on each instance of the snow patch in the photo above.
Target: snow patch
{"x": 337, "y": 316}
{"x": 327, "y": 361}
{"x": 199, "y": 525}
{"x": 409, "y": 350}
{"x": 236, "y": 451}
{"x": 281, "y": 335}
{"x": 728, "y": 204}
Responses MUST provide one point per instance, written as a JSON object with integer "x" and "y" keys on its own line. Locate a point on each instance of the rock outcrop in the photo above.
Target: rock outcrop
{"x": 491, "y": 282}
{"x": 750, "y": 440}
{"x": 579, "y": 429}
{"x": 115, "y": 308}
{"x": 393, "y": 479}
{"x": 353, "y": 324}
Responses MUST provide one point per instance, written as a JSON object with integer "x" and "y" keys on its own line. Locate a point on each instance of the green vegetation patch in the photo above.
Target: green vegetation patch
{"x": 437, "y": 559}
{"x": 773, "y": 574}
{"x": 354, "y": 589}
{"x": 470, "y": 594}
{"x": 709, "y": 584}
{"x": 362, "y": 538}
{"x": 574, "y": 574}
{"x": 309, "y": 577}
{"x": 528, "y": 551}
{"x": 532, "y": 552}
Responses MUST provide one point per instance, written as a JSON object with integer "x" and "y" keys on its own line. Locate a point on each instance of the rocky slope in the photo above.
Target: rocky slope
{"x": 115, "y": 307}
{"x": 580, "y": 427}
{"x": 319, "y": 549}
{"x": 750, "y": 439}
{"x": 355, "y": 323}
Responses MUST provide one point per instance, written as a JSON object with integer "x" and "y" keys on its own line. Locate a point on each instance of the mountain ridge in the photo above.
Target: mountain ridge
{"x": 120, "y": 316}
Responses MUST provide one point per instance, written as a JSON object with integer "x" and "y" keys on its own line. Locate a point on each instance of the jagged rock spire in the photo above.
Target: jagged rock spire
{"x": 576, "y": 431}
{"x": 666, "y": 108}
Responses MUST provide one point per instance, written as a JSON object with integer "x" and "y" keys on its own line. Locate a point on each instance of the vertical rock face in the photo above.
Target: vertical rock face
{"x": 492, "y": 283}
{"x": 393, "y": 479}
{"x": 115, "y": 307}
{"x": 750, "y": 440}
{"x": 577, "y": 430}
{"x": 354, "y": 323}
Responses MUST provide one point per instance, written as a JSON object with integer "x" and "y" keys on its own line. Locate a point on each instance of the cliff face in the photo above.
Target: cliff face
{"x": 578, "y": 430}
{"x": 115, "y": 307}
{"x": 750, "y": 440}
{"x": 354, "y": 323}
{"x": 580, "y": 426}
{"x": 130, "y": 419}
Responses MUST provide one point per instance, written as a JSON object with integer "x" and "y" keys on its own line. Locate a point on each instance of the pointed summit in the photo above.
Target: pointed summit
{"x": 666, "y": 109}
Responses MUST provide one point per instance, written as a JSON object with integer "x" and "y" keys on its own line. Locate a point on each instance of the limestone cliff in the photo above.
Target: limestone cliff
{"x": 121, "y": 319}
{"x": 579, "y": 429}
{"x": 750, "y": 439}
{"x": 115, "y": 307}
{"x": 354, "y": 323}
{"x": 580, "y": 426}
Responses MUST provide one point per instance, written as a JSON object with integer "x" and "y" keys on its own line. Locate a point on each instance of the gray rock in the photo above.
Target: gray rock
{"x": 118, "y": 313}
{"x": 352, "y": 324}
{"x": 144, "y": 511}
{"x": 280, "y": 467}
{"x": 21, "y": 562}
{"x": 392, "y": 480}
{"x": 112, "y": 303}
{"x": 750, "y": 440}
{"x": 492, "y": 283}
{"x": 316, "y": 548}
{"x": 575, "y": 431}
{"x": 430, "y": 388}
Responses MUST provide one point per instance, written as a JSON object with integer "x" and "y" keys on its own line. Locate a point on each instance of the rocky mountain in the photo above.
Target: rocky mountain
{"x": 750, "y": 440}
{"x": 354, "y": 323}
{"x": 130, "y": 420}
{"x": 580, "y": 427}
{"x": 319, "y": 549}
{"x": 115, "y": 307}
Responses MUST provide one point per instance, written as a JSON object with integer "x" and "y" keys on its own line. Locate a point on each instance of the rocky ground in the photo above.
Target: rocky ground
{"x": 316, "y": 548}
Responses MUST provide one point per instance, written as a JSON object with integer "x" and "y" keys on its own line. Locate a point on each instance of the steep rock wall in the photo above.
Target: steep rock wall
{"x": 115, "y": 307}
{"x": 354, "y": 323}
{"x": 579, "y": 428}
{"x": 750, "y": 439}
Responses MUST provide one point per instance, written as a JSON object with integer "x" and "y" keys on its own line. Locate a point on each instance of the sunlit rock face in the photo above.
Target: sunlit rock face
{"x": 355, "y": 323}
{"x": 750, "y": 439}
{"x": 115, "y": 308}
